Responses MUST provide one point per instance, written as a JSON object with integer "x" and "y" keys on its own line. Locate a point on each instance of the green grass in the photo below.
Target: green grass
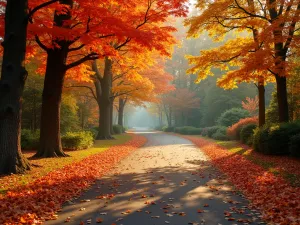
{"x": 41, "y": 167}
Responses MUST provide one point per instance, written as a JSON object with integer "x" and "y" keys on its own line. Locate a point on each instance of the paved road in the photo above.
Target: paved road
{"x": 168, "y": 181}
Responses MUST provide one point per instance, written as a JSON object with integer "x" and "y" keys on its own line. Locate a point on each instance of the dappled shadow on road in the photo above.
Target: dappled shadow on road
{"x": 157, "y": 195}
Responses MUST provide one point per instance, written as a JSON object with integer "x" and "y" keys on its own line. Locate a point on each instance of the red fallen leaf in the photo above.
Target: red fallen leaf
{"x": 227, "y": 214}
{"x": 200, "y": 211}
{"x": 182, "y": 214}
{"x": 99, "y": 220}
{"x": 144, "y": 196}
{"x": 231, "y": 219}
{"x": 81, "y": 223}
{"x": 206, "y": 205}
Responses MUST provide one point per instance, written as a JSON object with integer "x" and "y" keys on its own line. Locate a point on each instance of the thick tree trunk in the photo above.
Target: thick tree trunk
{"x": 121, "y": 112}
{"x": 261, "y": 104}
{"x": 104, "y": 102}
{"x": 283, "y": 108}
{"x": 50, "y": 140}
{"x": 11, "y": 88}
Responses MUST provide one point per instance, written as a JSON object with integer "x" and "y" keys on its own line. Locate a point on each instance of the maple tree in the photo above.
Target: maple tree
{"x": 180, "y": 101}
{"x": 78, "y": 29}
{"x": 142, "y": 83}
{"x": 251, "y": 105}
{"x": 149, "y": 18}
{"x": 272, "y": 25}
{"x": 13, "y": 26}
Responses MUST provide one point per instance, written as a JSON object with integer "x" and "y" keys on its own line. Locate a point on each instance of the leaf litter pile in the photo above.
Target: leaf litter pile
{"x": 278, "y": 201}
{"x": 38, "y": 201}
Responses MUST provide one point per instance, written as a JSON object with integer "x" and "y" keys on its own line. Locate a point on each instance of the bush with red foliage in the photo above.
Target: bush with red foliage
{"x": 233, "y": 132}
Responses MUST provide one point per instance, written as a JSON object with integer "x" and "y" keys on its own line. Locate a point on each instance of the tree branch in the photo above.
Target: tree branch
{"x": 34, "y": 10}
{"x": 91, "y": 56}
{"x": 83, "y": 86}
{"x": 38, "y": 41}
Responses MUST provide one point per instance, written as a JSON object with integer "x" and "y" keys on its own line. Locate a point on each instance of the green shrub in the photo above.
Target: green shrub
{"x": 247, "y": 132}
{"x": 275, "y": 139}
{"x": 118, "y": 129}
{"x": 212, "y": 130}
{"x": 294, "y": 145}
{"x": 77, "y": 140}
{"x": 187, "y": 130}
{"x": 220, "y": 134}
{"x": 232, "y": 116}
{"x": 30, "y": 139}
{"x": 168, "y": 129}
{"x": 195, "y": 131}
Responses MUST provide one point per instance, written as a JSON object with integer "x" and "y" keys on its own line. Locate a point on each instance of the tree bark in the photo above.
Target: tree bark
{"x": 283, "y": 107}
{"x": 50, "y": 140}
{"x": 12, "y": 82}
{"x": 261, "y": 103}
{"x": 104, "y": 103}
{"x": 111, "y": 116}
{"x": 121, "y": 112}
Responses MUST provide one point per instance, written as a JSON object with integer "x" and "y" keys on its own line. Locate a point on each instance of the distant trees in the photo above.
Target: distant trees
{"x": 272, "y": 25}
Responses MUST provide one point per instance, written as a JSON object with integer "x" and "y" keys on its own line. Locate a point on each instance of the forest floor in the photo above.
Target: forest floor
{"x": 58, "y": 180}
{"x": 168, "y": 181}
{"x": 41, "y": 167}
{"x": 285, "y": 166}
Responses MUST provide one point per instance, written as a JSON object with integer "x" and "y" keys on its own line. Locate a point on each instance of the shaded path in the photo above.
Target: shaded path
{"x": 166, "y": 182}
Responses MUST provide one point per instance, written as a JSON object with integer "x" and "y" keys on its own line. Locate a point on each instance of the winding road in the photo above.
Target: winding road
{"x": 168, "y": 181}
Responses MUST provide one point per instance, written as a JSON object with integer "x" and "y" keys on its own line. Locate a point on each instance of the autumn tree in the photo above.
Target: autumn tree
{"x": 181, "y": 102}
{"x": 14, "y": 30}
{"x": 73, "y": 33}
{"x": 142, "y": 84}
{"x": 272, "y": 24}
{"x": 149, "y": 21}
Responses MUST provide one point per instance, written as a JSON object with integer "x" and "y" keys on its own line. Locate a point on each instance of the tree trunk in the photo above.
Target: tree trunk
{"x": 121, "y": 111}
{"x": 50, "y": 140}
{"x": 261, "y": 104}
{"x": 12, "y": 82}
{"x": 283, "y": 108}
{"x": 111, "y": 110}
{"x": 104, "y": 101}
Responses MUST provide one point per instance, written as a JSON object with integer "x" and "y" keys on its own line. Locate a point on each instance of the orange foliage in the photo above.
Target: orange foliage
{"x": 39, "y": 200}
{"x": 234, "y": 130}
{"x": 251, "y": 105}
{"x": 265, "y": 35}
{"x": 278, "y": 201}
{"x": 182, "y": 100}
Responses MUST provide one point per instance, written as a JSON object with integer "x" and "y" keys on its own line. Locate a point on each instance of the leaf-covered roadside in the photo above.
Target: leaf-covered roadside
{"x": 43, "y": 166}
{"x": 39, "y": 200}
{"x": 278, "y": 201}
